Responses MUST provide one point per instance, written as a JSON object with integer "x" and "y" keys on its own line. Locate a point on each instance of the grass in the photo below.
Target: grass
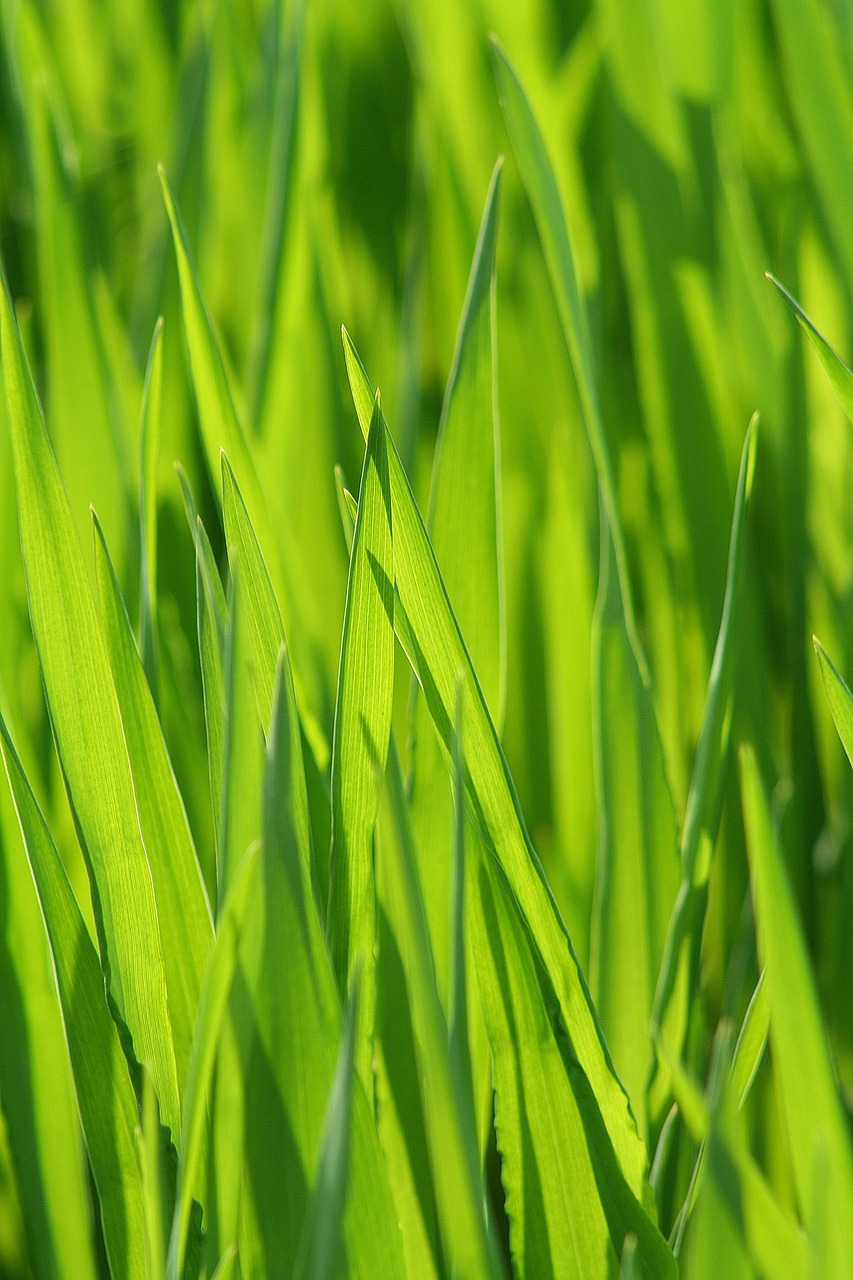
{"x": 425, "y": 837}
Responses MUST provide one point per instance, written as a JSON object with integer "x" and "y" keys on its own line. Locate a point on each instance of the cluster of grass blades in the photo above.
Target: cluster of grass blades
{"x": 391, "y": 880}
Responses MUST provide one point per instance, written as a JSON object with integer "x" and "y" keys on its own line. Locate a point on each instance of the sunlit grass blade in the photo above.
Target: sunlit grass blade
{"x": 839, "y": 698}
{"x": 105, "y": 1096}
{"x": 554, "y": 1145}
{"x": 152, "y": 1190}
{"x": 87, "y": 726}
{"x": 464, "y": 526}
{"x": 296, "y": 1003}
{"x": 637, "y": 873}
{"x": 362, "y": 730}
{"x": 814, "y": 1116}
{"x": 458, "y": 1041}
{"x": 39, "y": 1105}
{"x": 321, "y": 1252}
{"x": 541, "y": 185}
{"x": 430, "y": 635}
{"x": 222, "y": 431}
{"x": 183, "y": 912}
{"x": 448, "y": 1117}
{"x": 213, "y": 1004}
{"x": 751, "y": 1042}
{"x": 149, "y": 457}
{"x": 836, "y": 370}
{"x": 678, "y": 974}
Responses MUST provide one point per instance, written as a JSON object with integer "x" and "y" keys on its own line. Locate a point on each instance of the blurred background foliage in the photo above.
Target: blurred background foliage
{"x": 331, "y": 162}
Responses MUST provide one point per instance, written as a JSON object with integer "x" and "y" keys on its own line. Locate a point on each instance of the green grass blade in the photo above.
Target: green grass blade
{"x": 839, "y": 698}
{"x": 448, "y": 1116}
{"x": 464, "y": 525}
{"x": 362, "y": 730}
{"x": 751, "y": 1042}
{"x": 812, "y": 1109}
{"x": 637, "y": 872}
{"x": 39, "y": 1106}
{"x": 537, "y": 174}
{"x": 321, "y": 1252}
{"x": 152, "y": 1190}
{"x": 149, "y": 457}
{"x": 296, "y": 1004}
{"x": 221, "y": 431}
{"x": 105, "y": 1095}
{"x": 679, "y": 967}
{"x": 840, "y": 377}
{"x": 430, "y": 635}
{"x": 183, "y": 912}
{"x": 87, "y": 726}
{"x": 213, "y": 1006}
{"x": 460, "y": 1049}
{"x": 554, "y": 1146}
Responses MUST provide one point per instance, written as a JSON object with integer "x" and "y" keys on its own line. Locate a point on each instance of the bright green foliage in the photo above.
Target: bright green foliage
{"x": 386, "y": 890}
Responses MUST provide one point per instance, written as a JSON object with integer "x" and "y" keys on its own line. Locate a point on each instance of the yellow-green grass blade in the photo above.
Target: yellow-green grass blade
{"x": 457, "y": 1030}
{"x": 105, "y": 1096}
{"x": 267, "y": 636}
{"x": 89, "y": 443}
{"x": 211, "y": 627}
{"x": 149, "y": 457}
{"x": 213, "y": 1005}
{"x": 448, "y": 1115}
{"x": 148, "y": 1140}
{"x": 679, "y": 968}
{"x": 183, "y": 911}
{"x": 430, "y": 635}
{"x": 362, "y": 730}
{"x": 296, "y": 1003}
{"x": 839, "y": 698}
{"x": 541, "y": 185}
{"x": 637, "y": 872}
{"x": 39, "y": 1105}
{"x": 555, "y": 1149}
{"x": 221, "y": 430}
{"x": 321, "y": 1252}
{"x": 751, "y": 1042}
{"x": 86, "y": 721}
{"x": 464, "y": 527}
{"x": 814, "y": 1116}
{"x": 840, "y": 377}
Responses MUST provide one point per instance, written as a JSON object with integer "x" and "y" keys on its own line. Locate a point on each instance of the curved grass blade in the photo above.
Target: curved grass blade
{"x": 555, "y": 1149}
{"x": 149, "y": 1159}
{"x": 429, "y": 634}
{"x": 149, "y": 456}
{"x": 183, "y": 912}
{"x": 105, "y": 1095}
{"x": 836, "y": 370}
{"x": 321, "y": 1252}
{"x": 637, "y": 873}
{"x": 537, "y": 174}
{"x": 39, "y": 1106}
{"x": 814, "y": 1116}
{"x": 221, "y": 430}
{"x": 87, "y": 726}
{"x": 296, "y": 1004}
{"x": 362, "y": 731}
{"x": 212, "y": 1008}
{"x": 447, "y": 1111}
{"x": 464, "y": 527}
{"x": 678, "y": 975}
{"x": 839, "y": 698}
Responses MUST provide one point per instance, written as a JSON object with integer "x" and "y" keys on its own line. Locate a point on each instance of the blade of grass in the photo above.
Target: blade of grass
{"x": 637, "y": 872}
{"x": 149, "y": 457}
{"x": 840, "y": 377}
{"x": 362, "y": 729}
{"x": 87, "y": 726}
{"x": 839, "y": 698}
{"x": 430, "y": 636}
{"x": 321, "y": 1252}
{"x": 679, "y": 967}
{"x": 814, "y": 1116}
{"x": 183, "y": 912}
{"x": 105, "y": 1095}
